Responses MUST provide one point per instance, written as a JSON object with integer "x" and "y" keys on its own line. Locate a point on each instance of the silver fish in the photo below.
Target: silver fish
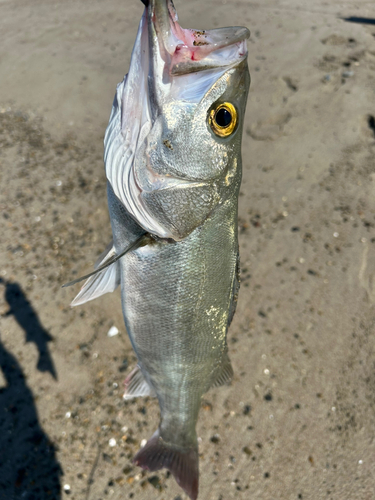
{"x": 173, "y": 164}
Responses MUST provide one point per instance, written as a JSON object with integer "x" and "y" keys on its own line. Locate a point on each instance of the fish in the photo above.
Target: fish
{"x": 172, "y": 153}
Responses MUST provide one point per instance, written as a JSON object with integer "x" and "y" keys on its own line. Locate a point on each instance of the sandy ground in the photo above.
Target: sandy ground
{"x": 298, "y": 421}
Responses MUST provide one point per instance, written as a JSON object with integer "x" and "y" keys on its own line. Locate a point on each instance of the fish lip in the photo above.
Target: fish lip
{"x": 229, "y": 36}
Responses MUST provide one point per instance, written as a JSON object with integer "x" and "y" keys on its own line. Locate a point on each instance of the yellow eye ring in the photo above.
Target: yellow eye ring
{"x": 223, "y": 119}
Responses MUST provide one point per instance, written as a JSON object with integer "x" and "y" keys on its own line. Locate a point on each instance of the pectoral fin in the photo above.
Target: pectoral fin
{"x": 110, "y": 259}
{"x": 103, "y": 281}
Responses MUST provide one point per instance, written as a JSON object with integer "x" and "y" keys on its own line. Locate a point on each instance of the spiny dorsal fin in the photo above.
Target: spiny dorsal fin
{"x": 136, "y": 385}
{"x": 235, "y": 290}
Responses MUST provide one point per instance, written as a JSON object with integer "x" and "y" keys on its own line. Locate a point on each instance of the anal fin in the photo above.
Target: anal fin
{"x": 136, "y": 385}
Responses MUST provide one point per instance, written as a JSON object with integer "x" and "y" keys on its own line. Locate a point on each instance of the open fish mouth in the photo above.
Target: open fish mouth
{"x": 189, "y": 50}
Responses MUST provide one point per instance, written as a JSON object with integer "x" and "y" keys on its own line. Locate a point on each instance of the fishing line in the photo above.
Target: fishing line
{"x": 111, "y": 261}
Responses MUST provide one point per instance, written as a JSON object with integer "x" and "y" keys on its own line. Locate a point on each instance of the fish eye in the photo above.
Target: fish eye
{"x": 223, "y": 119}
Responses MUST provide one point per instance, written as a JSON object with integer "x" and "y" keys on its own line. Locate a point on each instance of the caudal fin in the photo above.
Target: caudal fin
{"x": 182, "y": 463}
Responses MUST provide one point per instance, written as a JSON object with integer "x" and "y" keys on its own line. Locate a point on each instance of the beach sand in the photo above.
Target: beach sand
{"x": 298, "y": 420}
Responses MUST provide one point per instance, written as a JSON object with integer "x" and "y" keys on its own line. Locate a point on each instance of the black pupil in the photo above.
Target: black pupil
{"x": 223, "y": 117}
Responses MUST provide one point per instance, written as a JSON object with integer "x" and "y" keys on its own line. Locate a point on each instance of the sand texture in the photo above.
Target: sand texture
{"x": 298, "y": 421}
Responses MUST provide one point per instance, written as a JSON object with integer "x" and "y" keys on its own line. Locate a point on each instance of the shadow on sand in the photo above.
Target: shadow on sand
{"x": 359, "y": 20}
{"x": 29, "y": 469}
{"x": 28, "y": 320}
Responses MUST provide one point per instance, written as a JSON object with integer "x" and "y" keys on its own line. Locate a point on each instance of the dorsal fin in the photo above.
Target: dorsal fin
{"x": 235, "y": 290}
{"x": 225, "y": 373}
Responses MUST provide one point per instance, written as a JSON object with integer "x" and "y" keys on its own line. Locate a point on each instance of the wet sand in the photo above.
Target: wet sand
{"x": 298, "y": 421}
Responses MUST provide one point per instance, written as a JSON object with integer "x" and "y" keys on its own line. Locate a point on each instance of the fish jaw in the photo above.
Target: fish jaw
{"x": 167, "y": 36}
{"x": 176, "y": 51}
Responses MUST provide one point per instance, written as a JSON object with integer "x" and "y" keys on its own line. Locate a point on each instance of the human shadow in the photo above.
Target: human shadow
{"x": 359, "y": 20}
{"x": 29, "y": 469}
{"x": 27, "y": 318}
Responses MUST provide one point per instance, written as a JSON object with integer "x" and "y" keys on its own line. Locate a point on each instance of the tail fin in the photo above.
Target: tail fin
{"x": 182, "y": 463}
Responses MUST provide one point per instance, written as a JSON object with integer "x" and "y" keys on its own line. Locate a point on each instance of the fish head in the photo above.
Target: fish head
{"x": 182, "y": 107}
{"x": 197, "y": 83}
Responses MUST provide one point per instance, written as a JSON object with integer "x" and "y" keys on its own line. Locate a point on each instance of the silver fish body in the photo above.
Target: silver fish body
{"x": 173, "y": 166}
